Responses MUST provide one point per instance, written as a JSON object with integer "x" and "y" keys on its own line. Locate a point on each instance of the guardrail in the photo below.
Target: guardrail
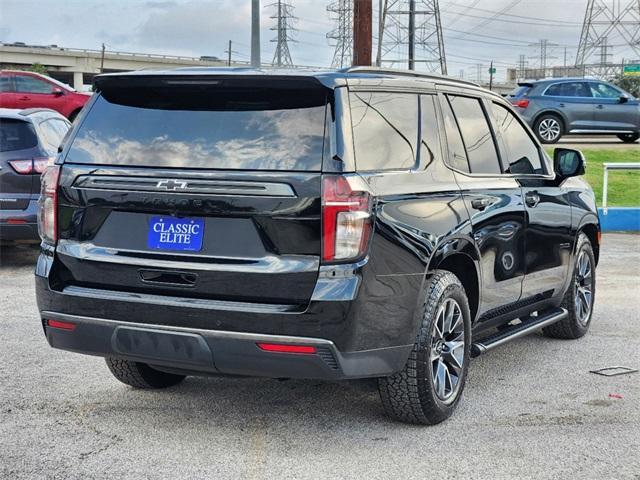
{"x": 605, "y": 182}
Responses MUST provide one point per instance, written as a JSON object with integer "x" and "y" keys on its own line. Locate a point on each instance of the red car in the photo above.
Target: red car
{"x": 23, "y": 90}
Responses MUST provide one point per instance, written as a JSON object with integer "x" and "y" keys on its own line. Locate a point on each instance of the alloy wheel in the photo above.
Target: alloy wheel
{"x": 549, "y": 129}
{"x": 447, "y": 350}
{"x": 583, "y": 288}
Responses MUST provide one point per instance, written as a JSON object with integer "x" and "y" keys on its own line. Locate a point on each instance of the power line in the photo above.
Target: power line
{"x": 342, "y": 35}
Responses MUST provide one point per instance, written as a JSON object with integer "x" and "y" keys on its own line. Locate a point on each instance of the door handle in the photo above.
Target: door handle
{"x": 480, "y": 203}
{"x": 24, "y": 97}
{"x": 599, "y": 107}
{"x": 531, "y": 199}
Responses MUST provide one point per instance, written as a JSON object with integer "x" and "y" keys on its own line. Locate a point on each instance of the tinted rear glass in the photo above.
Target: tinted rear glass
{"x": 520, "y": 91}
{"x": 16, "y": 135}
{"x": 249, "y": 130}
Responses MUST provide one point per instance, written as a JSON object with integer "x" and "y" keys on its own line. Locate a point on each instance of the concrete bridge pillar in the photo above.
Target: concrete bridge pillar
{"x": 77, "y": 80}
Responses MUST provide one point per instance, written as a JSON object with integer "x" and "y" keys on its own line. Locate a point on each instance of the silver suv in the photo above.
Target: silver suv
{"x": 556, "y": 107}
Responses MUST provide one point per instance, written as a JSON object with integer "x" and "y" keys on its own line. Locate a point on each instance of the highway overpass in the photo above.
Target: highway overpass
{"x": 77, "y": 67}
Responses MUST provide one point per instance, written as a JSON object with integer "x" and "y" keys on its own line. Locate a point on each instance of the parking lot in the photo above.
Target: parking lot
{"x": 531, "y": 408}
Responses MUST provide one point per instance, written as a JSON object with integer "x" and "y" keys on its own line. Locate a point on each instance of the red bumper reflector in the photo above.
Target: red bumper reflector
{"x": 61, "y": 325}
{"x": 16, "y": 221}
{"x": 285, "y": 348}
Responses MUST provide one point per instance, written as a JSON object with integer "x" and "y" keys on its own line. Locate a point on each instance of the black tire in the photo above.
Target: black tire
{"x": 141, "y": 375}
{"x": 410, "y": 395}
{"x": 576, "y": 324}
{"x": 628, "y": 137}
{"x": 546, "y": 124}
{"x": 73, "y": 115}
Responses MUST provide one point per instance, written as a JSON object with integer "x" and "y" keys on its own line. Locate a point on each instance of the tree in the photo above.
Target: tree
{"x": 38, "y": 68}
{"x": 628, "y": 83}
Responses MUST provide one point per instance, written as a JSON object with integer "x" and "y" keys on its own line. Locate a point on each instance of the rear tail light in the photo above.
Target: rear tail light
{"x": 32, "y": 165}
{"x": 346, "y": 220}
{"x": 523, "y": 103}
{"x": 48, "y": 204}
{"x": 23, "y": 167}
{"x": 286, "y": 348}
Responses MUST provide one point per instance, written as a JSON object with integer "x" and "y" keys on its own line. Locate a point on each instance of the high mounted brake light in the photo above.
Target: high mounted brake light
{"x": 48, "y": 204}
{"x": 346, "y": 220}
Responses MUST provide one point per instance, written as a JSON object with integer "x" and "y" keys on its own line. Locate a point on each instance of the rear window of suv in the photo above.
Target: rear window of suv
{"x": 248, "y": 130}
{"x": 16, "y": 135}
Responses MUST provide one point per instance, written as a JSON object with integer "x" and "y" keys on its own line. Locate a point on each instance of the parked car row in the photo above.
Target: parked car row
{"x": 29, "y": 141}
{"x": 21, "y": 90}
{"x": 577, "y": 106}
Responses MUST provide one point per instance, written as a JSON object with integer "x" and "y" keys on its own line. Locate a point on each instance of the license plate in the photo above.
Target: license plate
{"x": 170, "y": 233}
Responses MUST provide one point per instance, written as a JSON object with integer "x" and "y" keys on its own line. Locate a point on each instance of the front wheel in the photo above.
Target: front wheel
{"x": 580, "y": 296}
{"x": 628, "y": 137}
{"x": 548, "y": 129}
{"x": 427, "y": 390}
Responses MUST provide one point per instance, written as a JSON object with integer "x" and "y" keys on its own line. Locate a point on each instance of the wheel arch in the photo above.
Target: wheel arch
{"x": 592, "y": 231}
{"x": 460, "y": 257}
{"x": 555, "y": 113}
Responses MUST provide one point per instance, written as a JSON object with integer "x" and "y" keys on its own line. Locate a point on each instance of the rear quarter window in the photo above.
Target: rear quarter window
{"x": 16, "y": 135}
{"x": 385, "y": 130}
{"x": 239, "y": 132}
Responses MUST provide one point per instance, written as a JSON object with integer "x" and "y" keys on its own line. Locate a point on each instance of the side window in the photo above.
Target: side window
{"x": 29, "y": 84}
{"x": 523, "y": 156}
{"x": 602, "y": 90}
{"x": 6, "y": 85}
{"x": 385, "y": 129}
{"x": 476, "y": 134}
{"x": 430, "y": 142}
{"x": 568, "y": 89}
{"x": 455, "y": 145}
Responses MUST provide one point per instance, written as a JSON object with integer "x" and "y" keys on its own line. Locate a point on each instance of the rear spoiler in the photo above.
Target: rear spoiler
{"x": 525, "y": 84}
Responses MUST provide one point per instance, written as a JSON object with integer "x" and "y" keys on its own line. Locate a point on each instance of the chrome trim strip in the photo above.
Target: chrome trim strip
{"x": 270, "y": 264}
{"x": 586, "y": 130}
{"x": 183, "y": 185}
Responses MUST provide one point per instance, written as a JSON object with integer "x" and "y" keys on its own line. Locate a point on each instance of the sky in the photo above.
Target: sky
{"x": 475, "y": 32}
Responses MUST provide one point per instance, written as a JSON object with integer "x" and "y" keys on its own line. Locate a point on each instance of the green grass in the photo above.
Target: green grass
{"x": 624, "y": 185}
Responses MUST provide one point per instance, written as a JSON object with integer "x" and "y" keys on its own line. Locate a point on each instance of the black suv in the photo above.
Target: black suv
{"x": 329, "y": 225}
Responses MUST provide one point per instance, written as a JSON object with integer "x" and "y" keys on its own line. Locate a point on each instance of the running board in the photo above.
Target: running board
{"x": 525, "y": 327}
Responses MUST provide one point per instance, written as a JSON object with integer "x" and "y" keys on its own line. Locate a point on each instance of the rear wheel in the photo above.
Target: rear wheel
{"x": 580, "y": 296}
{"x": 628, "y": 137}
{"x": 548, "y": 128}
{"x": 141, "y": 375}
{"x": 429, "y": 387}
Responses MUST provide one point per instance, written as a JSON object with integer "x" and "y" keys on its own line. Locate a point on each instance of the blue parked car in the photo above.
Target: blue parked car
{"x": 570, "y": 106}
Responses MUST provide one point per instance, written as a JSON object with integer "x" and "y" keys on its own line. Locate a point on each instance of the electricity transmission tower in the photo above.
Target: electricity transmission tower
{"x": 341, "y": 11}
{"x": 414, "y": 24}
{"x": 604, "y": 20}
{"x": 284, "y": 28}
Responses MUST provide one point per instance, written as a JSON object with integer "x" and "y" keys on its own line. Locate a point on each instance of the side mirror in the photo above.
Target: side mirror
{"x": 623, "y": 98}
{"x": 57, "y": 91}
{"x": 568, "y": 162}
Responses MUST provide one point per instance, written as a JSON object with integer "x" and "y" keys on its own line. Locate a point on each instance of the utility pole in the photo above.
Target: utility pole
{"x": 478, "y": 72}
{"x": 412, "y": 34}
{"x": 382, "y": 13}
{"x": 543, "y": 55}
{"x": 285, "y": 19}
{"x": 362, "y": 35}
{"x": 102, "y": 60}
{"x": 255, "y": 34}
{"x": 419, "y": 25}
{"x": 522, "y": 65}
{"x": 229, "y": 55}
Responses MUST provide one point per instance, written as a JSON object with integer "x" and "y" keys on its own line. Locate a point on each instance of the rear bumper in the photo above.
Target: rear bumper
{"x": 18, "y": 225}
{"x": 218, "y": 352}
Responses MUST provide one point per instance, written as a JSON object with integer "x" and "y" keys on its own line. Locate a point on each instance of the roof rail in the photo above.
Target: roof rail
{"x": 408, "y": 73}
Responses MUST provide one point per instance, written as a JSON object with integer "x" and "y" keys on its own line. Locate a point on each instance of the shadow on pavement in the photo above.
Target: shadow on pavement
{"x": 16, "y": 256}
